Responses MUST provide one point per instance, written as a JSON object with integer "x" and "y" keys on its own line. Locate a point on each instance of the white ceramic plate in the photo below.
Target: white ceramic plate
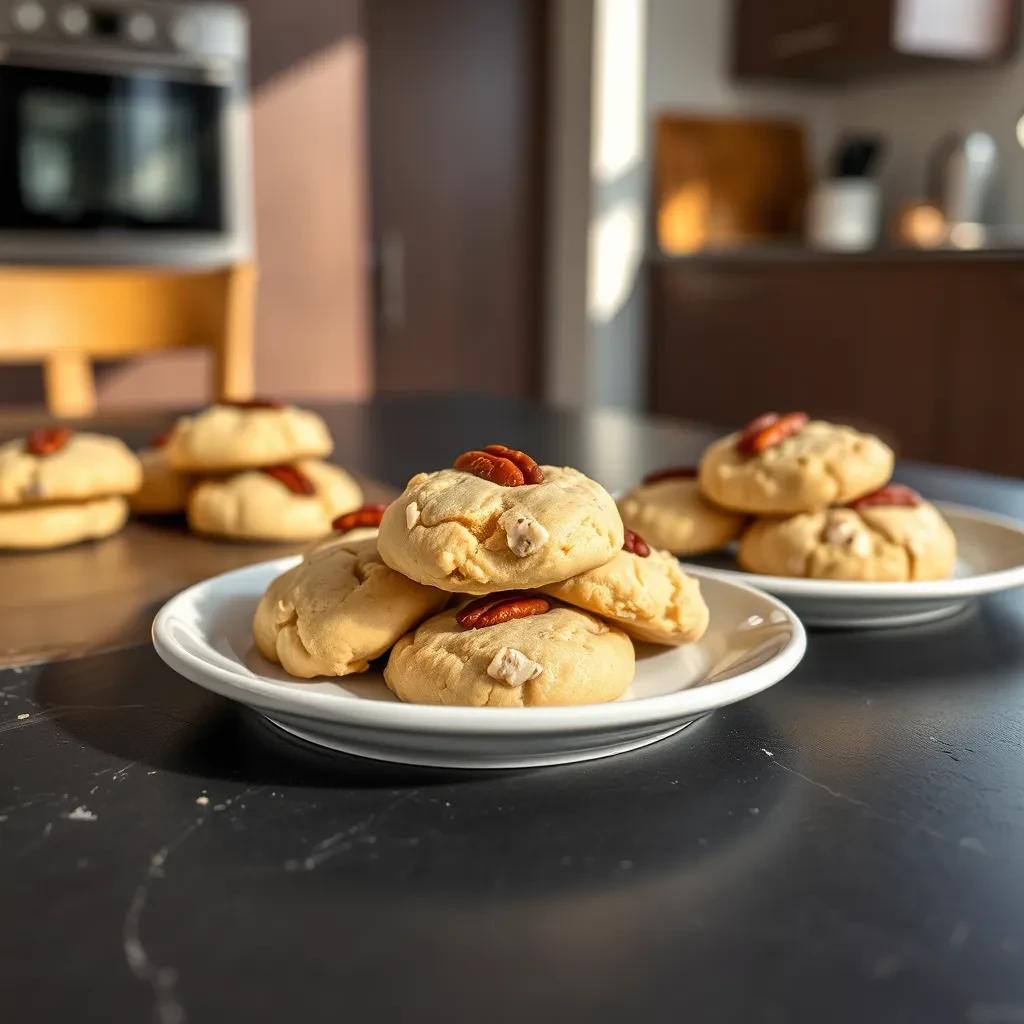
{"x": 990, "y": 558}
{"x": 204, "y": 633}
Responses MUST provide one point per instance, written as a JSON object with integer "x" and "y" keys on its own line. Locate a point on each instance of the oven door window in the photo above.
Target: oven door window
{"x": 95, "y": 151}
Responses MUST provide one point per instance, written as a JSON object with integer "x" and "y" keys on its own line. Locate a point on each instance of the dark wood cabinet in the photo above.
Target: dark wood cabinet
{"x": 845, "y": 39}
{"x": 924, "y": 351}
{"x": 981, "y": 422}
{"x": 456, "y": 128}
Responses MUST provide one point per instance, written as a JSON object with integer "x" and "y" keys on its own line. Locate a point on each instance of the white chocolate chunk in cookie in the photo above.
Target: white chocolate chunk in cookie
{"x": 525, "y": 535}
{"x": 513, "y": 667}
{"x": 839, "y": 531}
{"x": 412, "y": 515}
{"x": 861, "y": 545}
{"x": 849, "y": 533}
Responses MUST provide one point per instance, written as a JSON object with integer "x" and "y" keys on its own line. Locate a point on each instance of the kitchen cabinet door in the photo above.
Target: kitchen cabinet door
{"x": 456, "y": 175}
{"x": 801, "y": 38}
{"x": 982, "y": 425}
{"x": 859, "y": 343}
{"x": 842, "y": 40}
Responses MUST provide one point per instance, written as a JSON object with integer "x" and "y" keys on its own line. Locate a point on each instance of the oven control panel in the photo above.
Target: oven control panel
{"x": 201, "y": 29}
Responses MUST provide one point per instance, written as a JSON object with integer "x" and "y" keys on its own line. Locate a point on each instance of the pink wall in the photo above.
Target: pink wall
{"x": 311, "y": 223}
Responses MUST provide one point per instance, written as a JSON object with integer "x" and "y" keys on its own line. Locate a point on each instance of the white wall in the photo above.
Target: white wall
{"x": 614, "y": 63}
{"x": 597, "y": 197}
{"x": 915, "y": 112}
{"x": 566, "y": 333}
{"x": 616, "y": 299}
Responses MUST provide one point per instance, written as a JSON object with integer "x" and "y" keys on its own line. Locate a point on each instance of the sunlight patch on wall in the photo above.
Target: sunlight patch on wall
{"x": 615, "y": 251}
{"x": 618, "y": 111}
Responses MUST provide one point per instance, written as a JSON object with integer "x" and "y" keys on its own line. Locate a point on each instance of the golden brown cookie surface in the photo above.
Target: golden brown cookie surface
{"x": 337, "y": 610}
{"x": 456, "y": 531}
{"x": 672, "y": 514}
{"x": 55, "y": 524}
{"x": 256, "y": 505}
{"x": 84, "y": 466}
{"x": 563, "y": 656}
{"x": 874, "y": 543}
{"x": 164, "y": 489}
{"x": 824, "y": 464}
{"x": 651, "y": 598}
{"x": 228, "y": 437}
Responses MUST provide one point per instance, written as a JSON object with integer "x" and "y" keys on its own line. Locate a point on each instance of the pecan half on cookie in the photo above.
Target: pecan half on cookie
{"x": 502, "y": 607}
{"x": 367, "y": 516}
{"x": 635, "y": 544}
{"x": 505, "y": 466}
{"x": 671, "y": 473}
{"x": 769, "y": 430}
{"x": 892, "y": 495}
{"x": 293, "y": 478}
{"x": 47, "y": 440}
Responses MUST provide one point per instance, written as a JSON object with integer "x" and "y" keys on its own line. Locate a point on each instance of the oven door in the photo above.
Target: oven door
{"x": 134, "y": 160}
{"x": 88, "y": 151}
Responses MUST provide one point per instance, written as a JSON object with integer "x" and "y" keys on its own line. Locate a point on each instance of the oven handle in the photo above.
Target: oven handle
{"x": 210, "y": 71}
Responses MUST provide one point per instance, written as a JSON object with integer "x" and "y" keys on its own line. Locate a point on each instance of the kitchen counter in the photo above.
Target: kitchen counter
{"x": 797, "y": 253}
{"x": 846, "y": 846}
{"x": 924, "y": 349}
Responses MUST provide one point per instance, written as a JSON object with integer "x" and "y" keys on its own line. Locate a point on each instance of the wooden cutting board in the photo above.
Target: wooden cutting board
{"x": 721, "y": 182}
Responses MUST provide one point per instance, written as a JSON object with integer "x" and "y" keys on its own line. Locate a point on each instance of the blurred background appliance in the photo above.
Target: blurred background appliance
{"x": 125, "y": 133}
{"x": 963, "y": 172}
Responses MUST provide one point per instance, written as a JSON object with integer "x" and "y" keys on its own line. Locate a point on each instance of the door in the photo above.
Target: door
{"x": 456, "y": 173}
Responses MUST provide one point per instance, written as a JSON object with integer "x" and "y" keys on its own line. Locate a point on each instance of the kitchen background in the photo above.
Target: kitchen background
{"x": 699, "y": 208}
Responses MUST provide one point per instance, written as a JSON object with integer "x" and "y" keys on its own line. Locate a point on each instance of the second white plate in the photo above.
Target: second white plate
{"x": 990, "y": 558}
{"x": 205, "y": 634}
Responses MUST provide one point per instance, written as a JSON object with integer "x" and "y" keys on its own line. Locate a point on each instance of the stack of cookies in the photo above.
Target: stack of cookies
{"x": 822, "y": 503}
{"x": 58, "y": 487}
{"x": 496, "y": 582}
{"x": 248, "y": 471}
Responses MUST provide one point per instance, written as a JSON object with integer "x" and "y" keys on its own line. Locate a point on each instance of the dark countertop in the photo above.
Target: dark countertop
{"x": 847, "y": 846}
{"x": 794, "y": 252}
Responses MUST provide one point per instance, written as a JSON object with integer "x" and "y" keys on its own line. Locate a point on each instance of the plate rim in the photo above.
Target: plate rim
{"x": 405, "y": 717}
{"x": 954, "y": 588}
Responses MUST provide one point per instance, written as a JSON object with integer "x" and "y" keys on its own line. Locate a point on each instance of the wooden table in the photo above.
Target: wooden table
{"x": 845, "y": 847}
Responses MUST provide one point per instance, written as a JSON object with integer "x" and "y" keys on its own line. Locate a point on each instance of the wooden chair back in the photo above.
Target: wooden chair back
{"x": 64, "y": 317}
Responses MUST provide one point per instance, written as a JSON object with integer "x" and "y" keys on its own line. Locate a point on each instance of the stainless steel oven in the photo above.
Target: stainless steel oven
{"x": 124, "y": 132}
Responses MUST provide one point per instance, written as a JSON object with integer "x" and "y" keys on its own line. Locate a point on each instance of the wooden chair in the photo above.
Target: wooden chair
{"x": 64, "y": 317}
